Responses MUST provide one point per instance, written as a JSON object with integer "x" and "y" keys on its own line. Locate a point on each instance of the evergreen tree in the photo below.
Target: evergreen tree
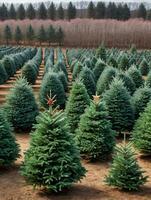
{"x": 100, "y": 10}
{"x": 140, "y": 99}
{"x": 135, "y": 74}
{"x": 111, "y": 11}
{"x": 120, "y": 109}
{"x": 101, "y": 52}
{"x": 3, "y": 12}
{"x": 141, "y": 13}
{"x": 30, "y": 34}
{"x": 3, "y": 73}
{"x": 76, "y": 70}
{"x": 95, "y": 136}
{"x": 125, "y": 173}
{"x": 71, "y": 11}
{"x": 9, "y": 149}
{"x": 60, "y": 12}
{"x": 126, "y": 12}
{"x": 144, "y": 67}
{"x": 52, "y": 11}
{"x": 52, "y": 83}
{"x": 9, "y": 65}
{"x": 21, "y": 13}
{"x": 21, "y": 107}
{"x": 148, "y": 17}
{"x": 63, "y": 79}
{"x": 148, "y": 80}
{"x": 105, "y": 79}
{"x": 41, "y": 35}
{"x": 18, "y": 35}
{"x": 42, "y": 11}
{"x": 91, "y": 10}
{"x": 12, "y": 12}
{"x": 42, "y": 165}
{"x": 7, "y": 34}
{"x": 59, "y": 36}
{"x": 98, "y": 69}
{"x": 51, "y": 34}
{"x": 30, "y": 12}
{"x": 29, "y": 72}
{"x": 77, "y": 102}
{"x": 123, "y": 62}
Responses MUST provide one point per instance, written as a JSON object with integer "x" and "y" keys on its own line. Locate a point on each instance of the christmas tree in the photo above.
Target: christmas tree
{"x": 77, "y": 102}
{"x": 144, "y": 67}
{"x": 21, "y": 107}
{"x": 98, "y": 69}
{"x": 52, "y": 160}
{"x": 95, "y": 136}
{"x": 125, "y": 173}
{"x": 9, "y": 149}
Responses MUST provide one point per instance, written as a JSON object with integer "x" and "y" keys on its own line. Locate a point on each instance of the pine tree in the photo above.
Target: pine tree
{"x": 95, "y": 136}
{"x": 60, "y": 11}
{"x": 98, "y": 69}
{"x": 63, "y": 79}
{"x": 12, "y": 12}
{"x": 42, "y": 165}
{"x": 42, "y": 11}
{"x": 9, "y": 149}
{"x": 77, "y": 69}
{"x": 77, "y": 102}
{"x": 148, "y": 80}
{"x": 21, "y": 13}
{"x": 135, "y": 74}
{"x": 3, "y": 73}
{"x": 123, "y": 62}
{"x": 59, "y": 36}
{"x": 9, "y": 65}
{"x": 140, "y": 99}
{"x": 51, "y": 34}
{"x": 30, "y": 12}
{"x": 18, "y": 35}
{"x": 141, "y": 13}
{"x": 3, "y": 12}
{"x": 71, "y": 11}
{"x": 91, "y": 10}
{"x": 148, "y": 17}
{"x": 100, "y": 10}
{"x": 52, "y": 83}
{"x": 126, "y": 12}
{"x": 101, "y": 52}
{"x": 144, "y": 67}
{"x": 21, "y": 107}
{"x": 105, "y": 79}
{"x": 30, "y": 34}
{"x": 41, "y": 35}
{"x": 7, "y": 34}
{"x": 125, "y": 173}
{"x": 52, "y": 11}
{"x": 111, "y": 11}
{"x": 118, "y": 104}
{"x": 29, "y": 72}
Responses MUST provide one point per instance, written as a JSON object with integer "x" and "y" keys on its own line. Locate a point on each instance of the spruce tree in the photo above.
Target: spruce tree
{"x": 76, "y": 70}
{"x": 9, "y": 66}
{"x": 148, "y": 80}
{"x": 42, "y": 165}
{"x": 77, "y": 102}
{"x": 41, "y": 36}
{"x": 120, "y": 109}
{"x": 95, "y": 136}
{"x": 123, "y": 62}
{"x": 29, "y": 72}
{"x": 21, "y": 13}
{"x": 42, "y": 11}
{"x": 101, "y": 52}
{"x": 18, "y": 35}
{"x": 100, "y": 10}
{"x": 59, "y": 36}
{"x": 21, "y": 107}
{"x": 125, "y": 172}
{"x": 60, "y": 12}
{"x": 51, "y": 34}
{"x": 141, "y": 13}
{"x": 71, "y": 11}
{"x": 126, "y": 12}
{"x": 144, "y": 67}
{"x": 51, "y": 11}
{"x": 63, "y": 79}
{"x": 9, "y": 149}
{"x": 30, "y": 34}
{"x": 30, "y": 12}
{"x": 3, "y": 73}
{"x": 91, "y": 10}
{"x": 12, "y": 12}
{"x": 98, "y": 69}
{"x": 3, "y": 12}
{"x": 7, "y": 34}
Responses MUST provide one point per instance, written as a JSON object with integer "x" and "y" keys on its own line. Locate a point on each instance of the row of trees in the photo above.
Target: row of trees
{"x": 99, "y": 11}
{"x": 51, "y": 35}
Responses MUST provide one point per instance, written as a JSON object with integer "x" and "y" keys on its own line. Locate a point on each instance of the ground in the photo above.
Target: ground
{"x": 92, "y": 187}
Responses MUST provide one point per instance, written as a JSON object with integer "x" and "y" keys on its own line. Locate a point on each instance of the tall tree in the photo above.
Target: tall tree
{"x": 141, "y": 13}
{"x": 30, "y": 34}
{"x": 41, "y": 36}
{"x": 21, "y": 13}
{"x": 60, "y": 12}
{"x": 7, "y": 34}
{"x": 51, "y": 34}
{"x": 100, "y": 10}
{"x": 111, "y": 11}
{"x": 126, "y": 12}
{"x": 71, "y": 11}
{"x": 18, "y": 36}
{"x": 91, "y": 10}
{"x": 42, "y": 11}
{"x": 3, "y": 12}
{"x": 30, "y": 12}
{"x": 12, "y": 12}
{"x": 59, "y": 35}
{"x": 52, "y": 11}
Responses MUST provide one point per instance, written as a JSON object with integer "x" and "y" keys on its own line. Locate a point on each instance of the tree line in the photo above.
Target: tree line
{"x": 49, "y": 35}
{"x": 99, "y": 11}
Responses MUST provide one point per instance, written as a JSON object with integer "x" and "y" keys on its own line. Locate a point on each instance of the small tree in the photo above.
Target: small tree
{"x": 118, "y": 103}
{"x": 77, "y": 102}
{"x": 42, "y": 165}
{"x": 51, "y": 34}
{"x": 41, "y": 36}
{"x": 30, "y": 12}
{"x": 148, "y": 80}
{"x": 21, "y": 107}
{"x": 7, "y": 34}
{"x": 63, "y": 79}
{"x": 101, "y": 52}
{"x": 21, "y": 13}
{"x": 123, "y": 62}
{"x": 18, "y": 35}
{"x": 98, "y": 69}
{"x": 29, "y": 72}
{"x": 95, "y": 136}
{"x": 9, "y": 66}
{"x": 9, "y": 149}
{"x": 3, "y": 73}
{"x": 59, "y": 36}
{"x": 125, "y": 173}
{"x": 30, "y": 34}
{"x": 144, "y": 67}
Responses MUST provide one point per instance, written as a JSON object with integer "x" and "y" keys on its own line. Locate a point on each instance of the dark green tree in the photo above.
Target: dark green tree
{"x": 123, "y": 62}
{"x": 148, "y": 17}
{"x": 18, "y": 36}
{"x": 100, "y": 10}
{"x": 60, "y": 12}
{"x": 77, "y": 102}
{"x": 21, "y": 108}
{"x": 91, "y": 10}
{"x": 30, "y": 12}
{"x": 29, "y": 72}
{"x": 144, "y": 67}
{"x": 63, "y": 79}
{"x": 51, "y": 36}
{"x": 126, "y": 12}
{"x": 120, "y": 109}
{"x": 30, "y": 34}
{"x": 7, "y": 34}
{"x": 52, "y": 11}
{"x": 42, "y": 165}
{"x": 125, "y": 173}
{"x": 59, "y": 36}
{"x": 3, "y": 12}
{"x": 148, "y": 80}
{"x": 95, "y": 136}
{"x": 9, "y": 149}
{"x": 21, "y": 13}
{"x": 41, "y": 36}
{"x": 42, "y": 11}
{"x": 77, "y": 69}
{"x": 98, "y": 69}
{"x": 141, "y": 13}
{"x": 111, "y": 11}
{"x": 9, "y": 66}
{"x": 12, "y": 12}
{"x": 101, "y": 52}
{"x": 3, "y": 73}
{"x": 71, "y": 11}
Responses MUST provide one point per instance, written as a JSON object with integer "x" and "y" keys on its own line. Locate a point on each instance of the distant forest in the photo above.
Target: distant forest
{"x": 100, "y": 11}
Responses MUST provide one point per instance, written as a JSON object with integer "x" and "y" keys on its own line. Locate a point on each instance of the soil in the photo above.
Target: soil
{"x": 92, "y": 187}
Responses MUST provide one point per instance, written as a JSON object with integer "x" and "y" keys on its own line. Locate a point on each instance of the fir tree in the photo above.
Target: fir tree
{"x": 120, "y": 109}
{"x": 101, "y": 52}
{"x": 9, "y": 66}
{"x": 71, "y": 11}
{"x": 77, "y": 102}
{"x": 30, "y": 12}
{"x": 3, "y": 73}
{"x": 30, "y": 34}
{"x": 51, "y": 34}
{"x": 59, "y": 36}
{"x": 21, "y": 13}
{"x": 41, "y": 35}
{"x": 144, "y": 67}
{"x": 12, "y": 12}
{"x": 98, "y": 69}
{"x": 141, "y": 13}
{"x": 52, "y": 11}
{"x": 95, "y": 136}
{"x": 148, "y": 79}
{"x": 7, "y": 34}
{"x": 42, "y": 11}
{"x": 63, "y": 79}
{"x": 29, "y": 72}
{"x": 9, "y": 149}
{"x": 21, "y": 107}
{"x": 100, "y": 10}
{"x": 123, "y": 62}
{"x": 91, "y": 10}
{"x": 60, "y": 11}
{"x": 3, "y": 12}
{"x": 126, "y": 12}
{"x": 42, "y": 165}
{"x": 18, "y": 35}
{"x": 111, "y": 11}
{"x": 76, "y": 70}
{"x": 125, "y": 173}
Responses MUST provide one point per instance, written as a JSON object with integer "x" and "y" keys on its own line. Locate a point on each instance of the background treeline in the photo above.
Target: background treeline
{"x": 100, "y": 11}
